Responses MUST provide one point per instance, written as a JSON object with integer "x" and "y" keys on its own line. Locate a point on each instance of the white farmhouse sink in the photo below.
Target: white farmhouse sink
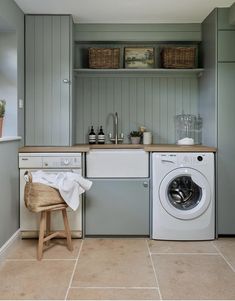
{"x": 119, "y": 163}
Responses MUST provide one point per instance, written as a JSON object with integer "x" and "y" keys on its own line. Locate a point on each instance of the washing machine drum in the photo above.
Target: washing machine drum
{"x": 185, "y": 193}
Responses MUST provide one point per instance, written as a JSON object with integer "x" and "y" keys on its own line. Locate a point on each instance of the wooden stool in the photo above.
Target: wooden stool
{"x": 45, "y": 225}
{"x": 42, "y": 198}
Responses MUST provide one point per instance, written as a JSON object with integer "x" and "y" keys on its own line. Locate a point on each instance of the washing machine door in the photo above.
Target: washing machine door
{"x": 185, "y": 193}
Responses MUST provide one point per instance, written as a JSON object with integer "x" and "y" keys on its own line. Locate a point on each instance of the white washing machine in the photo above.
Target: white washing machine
{"x": 183, "y": 196}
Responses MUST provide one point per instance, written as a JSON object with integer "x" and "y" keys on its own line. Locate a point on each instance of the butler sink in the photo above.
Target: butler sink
{"x": 117, "y": 163}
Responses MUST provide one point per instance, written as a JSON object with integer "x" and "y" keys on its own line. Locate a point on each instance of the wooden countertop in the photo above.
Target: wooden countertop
{"x": 178, "y": 148}
{"x": 83, "y": 148}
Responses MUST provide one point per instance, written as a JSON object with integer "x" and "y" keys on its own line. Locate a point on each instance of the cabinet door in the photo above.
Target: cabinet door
{"x": 117, "y": 207}
{"x": 226, "y": 46}
{"x": 226, "y": 148}
{"x": 47, "y": 110}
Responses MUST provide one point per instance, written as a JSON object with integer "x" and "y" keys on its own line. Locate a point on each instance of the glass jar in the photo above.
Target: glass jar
{"x": 185, "y": 126}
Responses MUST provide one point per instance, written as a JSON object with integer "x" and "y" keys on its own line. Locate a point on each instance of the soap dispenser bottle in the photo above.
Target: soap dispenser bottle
{"x": 92, "y": 136}
{"x": 101, "y": 136}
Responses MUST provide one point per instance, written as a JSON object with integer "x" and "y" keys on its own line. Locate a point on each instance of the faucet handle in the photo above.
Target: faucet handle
{"x": 121, "y": 137}
{"x": 111, "y": 138}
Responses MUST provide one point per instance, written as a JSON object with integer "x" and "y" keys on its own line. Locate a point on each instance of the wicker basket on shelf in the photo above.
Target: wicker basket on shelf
{"x": 179, "y": 57}
{"x": 104, "y": 58}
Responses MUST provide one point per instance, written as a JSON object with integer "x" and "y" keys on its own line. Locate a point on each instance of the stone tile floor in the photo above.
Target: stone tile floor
{"x": 120, "y": 269}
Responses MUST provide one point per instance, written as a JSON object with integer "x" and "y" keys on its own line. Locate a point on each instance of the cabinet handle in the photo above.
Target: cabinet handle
{"x": 145, "y": 184}
{"x": 66, "y": 81}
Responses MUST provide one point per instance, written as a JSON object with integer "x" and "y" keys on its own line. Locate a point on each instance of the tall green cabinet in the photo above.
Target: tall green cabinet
{"x": 48, "y": 68}
{"x": 217, "y": 106}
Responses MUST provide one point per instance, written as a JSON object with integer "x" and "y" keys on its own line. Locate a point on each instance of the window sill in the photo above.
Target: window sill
{"x": 10, "y": 138}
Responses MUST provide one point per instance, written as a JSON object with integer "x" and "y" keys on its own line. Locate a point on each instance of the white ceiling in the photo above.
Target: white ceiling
{"x": 126, "y": 11}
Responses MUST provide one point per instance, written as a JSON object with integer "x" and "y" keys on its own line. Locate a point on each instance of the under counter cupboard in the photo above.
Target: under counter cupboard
{"x": 118, "y": 202}
{"x": 48, "y": 88}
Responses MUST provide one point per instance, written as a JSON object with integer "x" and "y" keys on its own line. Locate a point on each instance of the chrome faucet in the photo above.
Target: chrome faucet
{"x": 115, "y": 138}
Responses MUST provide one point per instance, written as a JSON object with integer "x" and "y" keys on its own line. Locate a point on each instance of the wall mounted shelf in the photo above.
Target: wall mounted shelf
{"x": 157, "y": 71}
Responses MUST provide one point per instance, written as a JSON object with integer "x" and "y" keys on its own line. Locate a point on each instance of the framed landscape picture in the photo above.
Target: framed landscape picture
{"x": 139, "y": 57}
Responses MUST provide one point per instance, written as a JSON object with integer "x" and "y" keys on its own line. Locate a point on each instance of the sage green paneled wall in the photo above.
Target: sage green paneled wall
{"x": 140, "y": 100}
{"x": 207, "y": 84}
{"x": 47, "y": 65}
{"x": 137, "y": 32}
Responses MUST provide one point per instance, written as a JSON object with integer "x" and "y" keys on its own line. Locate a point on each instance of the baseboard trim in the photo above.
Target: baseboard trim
{"x": 8, "y": 243}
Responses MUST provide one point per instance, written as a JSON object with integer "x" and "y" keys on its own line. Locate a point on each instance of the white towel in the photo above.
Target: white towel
{"x": 69, "y": 184}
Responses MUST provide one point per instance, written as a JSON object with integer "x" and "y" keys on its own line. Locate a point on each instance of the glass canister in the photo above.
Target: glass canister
{"x": 185, "y": 126}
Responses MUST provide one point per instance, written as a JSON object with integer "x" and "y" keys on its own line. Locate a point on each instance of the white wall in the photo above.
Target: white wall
{"x": 11, "y": 17}
{"x": 9, "y": 187}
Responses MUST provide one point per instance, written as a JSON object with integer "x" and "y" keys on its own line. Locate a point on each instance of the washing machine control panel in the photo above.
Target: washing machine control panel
{"x": 183, "y": 159}
{"x": 191, "y": 159}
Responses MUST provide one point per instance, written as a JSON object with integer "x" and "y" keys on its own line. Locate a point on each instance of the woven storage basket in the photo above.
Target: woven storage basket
{"x": 104, "y": 58}
{"x": 179, "y": 57}
{"x": 39, "y": 197}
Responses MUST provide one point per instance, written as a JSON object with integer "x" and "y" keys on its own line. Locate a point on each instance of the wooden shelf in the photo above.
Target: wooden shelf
{"x": 155, "y": 71}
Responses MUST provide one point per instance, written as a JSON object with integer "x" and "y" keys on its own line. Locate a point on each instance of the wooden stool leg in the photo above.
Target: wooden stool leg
{"x": 48, "y": 225}
{"x": 67, "y": 229}
{"x": 41, "y": 234}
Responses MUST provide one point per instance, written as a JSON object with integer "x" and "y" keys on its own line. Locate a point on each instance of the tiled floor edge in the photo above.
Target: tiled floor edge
{"x": 154, "y": 271}
{"x": 224, "y": 257}
{"x": 74, "y": 268}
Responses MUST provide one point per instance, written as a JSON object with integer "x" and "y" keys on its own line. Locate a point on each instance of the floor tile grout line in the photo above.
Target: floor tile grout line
{"x": 8, "y": 260}
{"x": 59, "y": 259}
{"x": 74, "y": 268}
{"x": 212, "y": 243}
{"x": 154, "y": 270}
{"x": 46, "y": 259}
{"x": 222, "y": 255}
{"x": 117, "y": 287}
{"x": 181, "y": 253}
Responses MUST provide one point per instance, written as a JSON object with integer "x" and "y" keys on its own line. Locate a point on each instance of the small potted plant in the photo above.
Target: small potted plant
{"x": 2, "y": 114}
{"x": 135, "y": 137}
